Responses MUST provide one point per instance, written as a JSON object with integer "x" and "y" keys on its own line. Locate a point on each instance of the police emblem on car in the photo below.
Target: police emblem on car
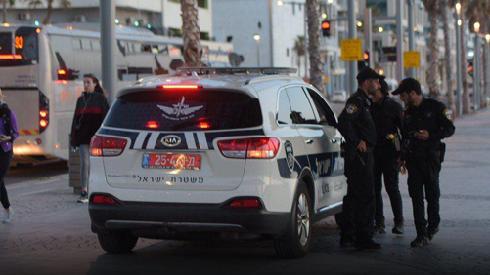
{"x": 171, "y": 140}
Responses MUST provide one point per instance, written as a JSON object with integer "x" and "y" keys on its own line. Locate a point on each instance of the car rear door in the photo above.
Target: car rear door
{"x": 172, "y": 138}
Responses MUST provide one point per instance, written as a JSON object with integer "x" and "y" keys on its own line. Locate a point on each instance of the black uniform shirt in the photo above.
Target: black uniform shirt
{"x": 387, "y": 115}
{"x": 432, "y": 116}
{"x": 356, "y": 122}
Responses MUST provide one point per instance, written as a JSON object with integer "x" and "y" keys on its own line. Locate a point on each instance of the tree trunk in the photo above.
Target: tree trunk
{"x": 447, "y": 47}
{"x": 4, "y": 7}
{"x": 464, "y": 65}
{"x": 316, "y": 74}
{"x": 191, "y": 33}
{"x": 432, "y": 73}
{"x": 49, "y": 12}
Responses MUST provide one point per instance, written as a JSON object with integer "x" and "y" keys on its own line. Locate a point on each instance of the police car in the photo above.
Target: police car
{"x": 231, "y": 150}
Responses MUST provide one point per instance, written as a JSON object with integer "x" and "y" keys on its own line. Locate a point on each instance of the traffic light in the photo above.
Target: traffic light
{"x": 326, "y": 27}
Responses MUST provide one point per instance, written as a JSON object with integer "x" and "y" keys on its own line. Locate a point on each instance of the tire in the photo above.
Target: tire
{"x": 117, "y": 242}
{"x": 296, "y": 242}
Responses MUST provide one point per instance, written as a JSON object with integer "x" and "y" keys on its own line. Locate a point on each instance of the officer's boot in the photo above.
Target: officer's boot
{"x": 379, "y": 228}
{"x": 421, "y": 239}
{"x": 398, "y": 228}
{"x": 431, "y": 232}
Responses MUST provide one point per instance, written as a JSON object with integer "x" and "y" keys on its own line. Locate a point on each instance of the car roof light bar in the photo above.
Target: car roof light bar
{"x": 237, "y": 70}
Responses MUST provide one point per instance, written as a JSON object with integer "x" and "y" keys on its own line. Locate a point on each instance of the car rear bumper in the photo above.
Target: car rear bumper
{"x": 174, "y": 217}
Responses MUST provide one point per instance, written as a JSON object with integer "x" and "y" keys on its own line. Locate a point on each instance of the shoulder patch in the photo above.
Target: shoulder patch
{"x": 351, "y": 108}
{"x": 448, "y": 113}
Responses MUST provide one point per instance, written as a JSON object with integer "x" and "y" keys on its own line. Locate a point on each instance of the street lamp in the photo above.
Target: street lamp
{"x": 459, "y": 60}
{"x": 380, "y": 29}
{"x": 280, "y": 3}
{"x": 256, "y": 37}
{"x": 476, "y": 66}
{"x": 458, "y": 8}
{"x": 359, "y": 23}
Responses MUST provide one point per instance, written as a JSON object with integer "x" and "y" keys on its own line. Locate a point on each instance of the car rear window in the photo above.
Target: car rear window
{"x": 185, "y": 111}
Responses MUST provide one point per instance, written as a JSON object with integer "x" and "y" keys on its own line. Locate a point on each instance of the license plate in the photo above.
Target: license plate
{"x": 172, "y": 161}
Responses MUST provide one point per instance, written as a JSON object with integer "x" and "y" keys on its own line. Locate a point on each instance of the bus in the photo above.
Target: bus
{"x": 41, "y": 69}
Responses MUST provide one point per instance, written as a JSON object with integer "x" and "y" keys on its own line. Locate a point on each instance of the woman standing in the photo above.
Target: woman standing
{"x": 8, "y": 133}
{"x": 90, "y": 110}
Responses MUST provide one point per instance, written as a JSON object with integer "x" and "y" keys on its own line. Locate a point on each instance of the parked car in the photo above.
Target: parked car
{"x": 255, "y": 152}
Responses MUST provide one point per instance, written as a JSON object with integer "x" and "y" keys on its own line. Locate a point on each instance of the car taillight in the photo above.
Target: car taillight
{"x": 103, "y": 199}
{"x": 250, "y": 203}
{"x": 250, "y": 148}
{"x": 180, "y": 87}
{"x": 107, "y": 146}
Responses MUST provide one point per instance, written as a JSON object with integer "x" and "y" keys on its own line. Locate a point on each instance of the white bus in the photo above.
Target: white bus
{"x": 41, "y": 71}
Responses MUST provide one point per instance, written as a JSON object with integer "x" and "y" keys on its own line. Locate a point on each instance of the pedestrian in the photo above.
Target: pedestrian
{"x": 90, "y": 110}
{"x": 387, "y": 115}
{"x": 8, "y": 133}
{"x": 426, "y": 121}
{"x": 357, "y": 126}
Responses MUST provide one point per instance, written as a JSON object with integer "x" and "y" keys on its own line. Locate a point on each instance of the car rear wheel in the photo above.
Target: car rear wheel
{"x": 295, "y": 243}
{"x": 117, "y": 242}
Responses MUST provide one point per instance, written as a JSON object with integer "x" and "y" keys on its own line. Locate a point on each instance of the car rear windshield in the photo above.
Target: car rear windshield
{"x": 185, "y": 111}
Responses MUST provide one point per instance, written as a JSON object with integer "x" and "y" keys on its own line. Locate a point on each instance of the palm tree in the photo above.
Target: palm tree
{"x": 49, "y": 9}
{"x": 191, "y": 33}
{"x": 447, "y": 48}
{"x": 299, "y": 50}
{"x": 313, "y": 14}
{"x": 431, "y": 6}
{"x": 4, "y": 8}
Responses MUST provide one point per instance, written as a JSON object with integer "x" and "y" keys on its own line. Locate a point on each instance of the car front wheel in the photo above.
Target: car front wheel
{"x": 295, "y": 243}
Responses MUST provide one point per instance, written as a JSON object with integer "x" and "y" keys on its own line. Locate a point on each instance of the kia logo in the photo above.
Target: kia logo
{"x": 171, "y": 141}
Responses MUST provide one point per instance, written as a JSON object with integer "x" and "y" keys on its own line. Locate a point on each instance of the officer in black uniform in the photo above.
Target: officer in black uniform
{"x": 426, "y": 121}
{"x": 357, "y": 126}
{"x": 387, "y": 115}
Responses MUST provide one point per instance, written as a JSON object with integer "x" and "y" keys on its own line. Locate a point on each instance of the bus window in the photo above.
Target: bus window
{"x": 5, "y": 43}
{"x": 26, "y": 44}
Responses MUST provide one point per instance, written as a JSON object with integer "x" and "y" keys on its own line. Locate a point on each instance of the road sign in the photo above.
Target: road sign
{"x": 411, "y": 59}
{"x": 351, "y": 50}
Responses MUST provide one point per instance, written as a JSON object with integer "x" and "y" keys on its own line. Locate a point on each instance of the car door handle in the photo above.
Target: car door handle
{"x": 308, "y": 141}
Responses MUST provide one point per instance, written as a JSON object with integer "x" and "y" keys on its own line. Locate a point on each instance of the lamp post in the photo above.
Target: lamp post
{"x": 411, "y": 39}
{"x": 487, "y": 69}
{"x": 256, "y": 37}
{"x": 476, "y": 67}
{"x": 459, "y": 61}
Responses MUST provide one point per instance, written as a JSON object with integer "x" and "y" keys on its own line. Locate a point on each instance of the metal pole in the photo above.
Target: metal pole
{"x": 411, "y": 39}
{"x": 368, "y": 34}
{"x": 352, "y": 34}
{"x": 487, "y": 73}
{"x": 258, "y": 53}
{"x": 476, "y": 74}
{"x": 108, "y": 42}
{"x": 305, "y": 31}
{"x": 459, "y": 76}
{"x": 399, "y": 40}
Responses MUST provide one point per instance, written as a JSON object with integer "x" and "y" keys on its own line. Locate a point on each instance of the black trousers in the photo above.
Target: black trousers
{"x": 386, "y": 170}
{"x": 5, "y": 158}
{"x": 423, "y": 176}
{"x": 359, "y": 202}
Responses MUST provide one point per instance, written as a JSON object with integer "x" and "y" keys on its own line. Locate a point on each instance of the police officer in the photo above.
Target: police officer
{"x": 387, "y": 116}
{"x": 357, "y": 126}
{"x": 426, "y": 121}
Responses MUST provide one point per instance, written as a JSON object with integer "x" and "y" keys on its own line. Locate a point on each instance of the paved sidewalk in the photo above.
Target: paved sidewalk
{"x": 51, "y": 233}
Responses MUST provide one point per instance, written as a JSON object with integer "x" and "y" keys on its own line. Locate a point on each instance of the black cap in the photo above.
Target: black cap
{"x": 367, "y": 73}
{"x": 406, "y": 85}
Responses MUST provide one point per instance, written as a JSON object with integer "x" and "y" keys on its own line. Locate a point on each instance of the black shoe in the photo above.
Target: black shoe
{"x": 346, "y": 242}
{"x": 379, "y": 229}
{"x": 368, "y": 244}
{"x": 397, "y": 229}
{"x": 431, "y": 232}
{"x": 420, "y": 241}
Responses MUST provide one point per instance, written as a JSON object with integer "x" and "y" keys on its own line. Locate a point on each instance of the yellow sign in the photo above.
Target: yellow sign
{"x": 351, "y": 49}
{"x": 411, "y": 59}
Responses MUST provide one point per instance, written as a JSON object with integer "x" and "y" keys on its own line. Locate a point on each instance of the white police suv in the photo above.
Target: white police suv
{"x": 231, "y": 150}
